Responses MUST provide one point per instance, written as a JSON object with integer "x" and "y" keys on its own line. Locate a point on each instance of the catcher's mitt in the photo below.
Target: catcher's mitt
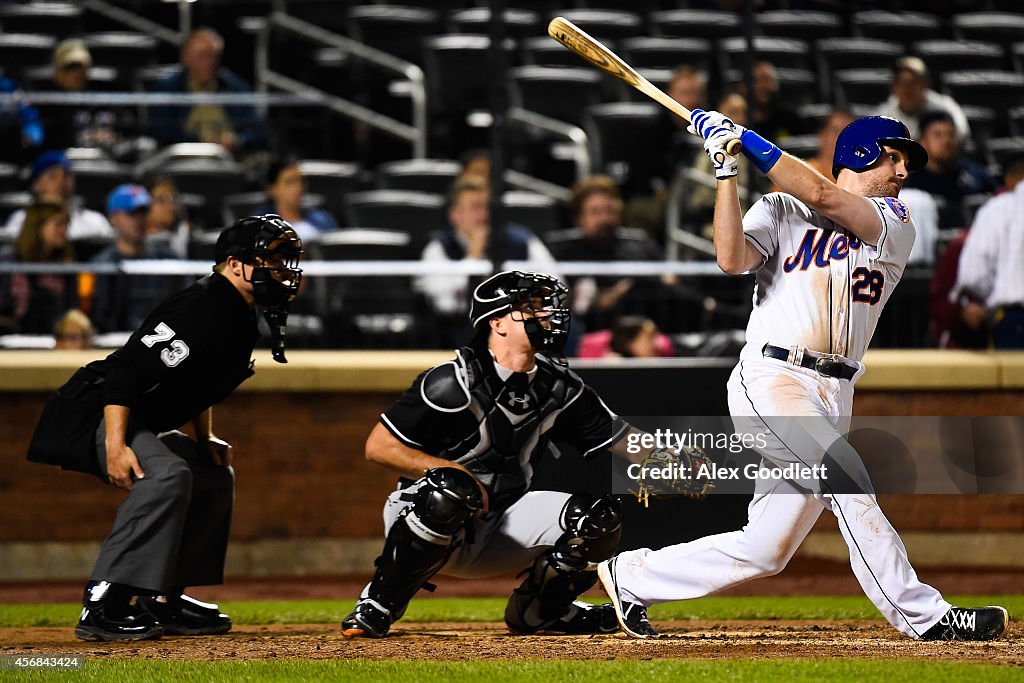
{"x": 682, "y": 468}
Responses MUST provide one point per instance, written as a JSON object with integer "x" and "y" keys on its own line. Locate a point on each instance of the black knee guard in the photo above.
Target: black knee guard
{"x": 556, "y": 578}
{"x": 420, "y": 540}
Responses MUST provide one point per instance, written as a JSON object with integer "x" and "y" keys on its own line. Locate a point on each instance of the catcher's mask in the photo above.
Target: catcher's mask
{"x": 534, "y": 299}
{"x": 270, "y": 245}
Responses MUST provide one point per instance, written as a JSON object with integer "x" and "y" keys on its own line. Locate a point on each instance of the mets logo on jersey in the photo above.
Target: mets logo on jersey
{"x": 898, "y": 208}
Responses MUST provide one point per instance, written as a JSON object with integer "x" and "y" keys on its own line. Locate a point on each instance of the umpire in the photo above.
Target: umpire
{"x": 117, "y": 418}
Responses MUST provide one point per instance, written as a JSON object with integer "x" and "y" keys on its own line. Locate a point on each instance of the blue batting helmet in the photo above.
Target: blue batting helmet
{"x": 860, "y": 144}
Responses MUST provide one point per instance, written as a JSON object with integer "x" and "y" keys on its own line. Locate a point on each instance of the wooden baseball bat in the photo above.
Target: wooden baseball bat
{"x": 590, "y": 49}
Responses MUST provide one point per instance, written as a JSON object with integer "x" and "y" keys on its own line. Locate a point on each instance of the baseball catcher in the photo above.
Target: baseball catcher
{"x": 465, "y": 438}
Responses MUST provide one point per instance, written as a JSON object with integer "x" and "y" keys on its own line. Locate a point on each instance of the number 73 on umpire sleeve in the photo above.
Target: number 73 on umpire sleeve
{"x": 867, "y": 285}
{"x": 175, "y": 352}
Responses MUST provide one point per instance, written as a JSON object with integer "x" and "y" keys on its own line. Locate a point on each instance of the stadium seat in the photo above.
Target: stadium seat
{"x": 202, "y": 244}
{"x": 1016, "y": 120}
{"x": 906, "y": 26}
{"x": 802, "y": 25}
{"x": 783, "y": 53}
{"x": 668, "y": 53}
{"x": 562, "y": 93}
{"x": 998, "y": 27}
{"x": 394, "y": 29}
{"x": 101, "y": 79}
{"x": 797, "y": 86}
{"x": 802, "y": 146}
{"x": 1004, "y": 149}
{"x": 420, "y": 175}
{"x": 458, "y": 72}
{"x": 949, "y": 55}
{"x": 364, "y": 244}
{"x": 332, "y": 180}
{"x": 519, "y": 23}
{"x": 55, "y": 18}
{"x": 537, "y": 212}
{"x": 867, "y": 87}
{"x": 984, "y": 123}
{"x": 417, "y": 213}
{"x": 861, "y": 53}
{"x": 95, "y": 178}
{"x": 622, "y": 136}
{"x": 606, "y": 24}
{"x": 87, "y": 247}
{"x": 122, "y": 48}
{"x": 19, "y": 51}
{"x": 687, "y": 23}
{"x": 211, "y": 178}
{"x": 11, "y": 202}
{"x": 235, "y": 206}
{"x": 1002, "y": 89}
{"x": 10, "y": 177}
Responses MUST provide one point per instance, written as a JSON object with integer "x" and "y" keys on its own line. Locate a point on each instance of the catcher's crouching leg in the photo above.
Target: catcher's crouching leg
{"x": 417, "y": 546}
{"x": 546, "y": 600}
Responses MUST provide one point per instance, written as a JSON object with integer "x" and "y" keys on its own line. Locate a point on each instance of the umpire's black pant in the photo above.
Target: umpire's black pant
{"x": 172, "y": 530}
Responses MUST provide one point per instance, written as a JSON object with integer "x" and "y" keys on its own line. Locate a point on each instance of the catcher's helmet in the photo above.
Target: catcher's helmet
{"x": 269, "y": 244}
{"x": 541, "y": 295}
{"x": 860, "y": 144}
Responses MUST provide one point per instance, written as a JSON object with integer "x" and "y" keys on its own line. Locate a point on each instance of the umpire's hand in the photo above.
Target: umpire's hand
{"x": 121, "y": 465}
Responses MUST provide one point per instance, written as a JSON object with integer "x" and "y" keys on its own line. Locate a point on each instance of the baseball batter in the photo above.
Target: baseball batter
{"x": 826, "y": 258}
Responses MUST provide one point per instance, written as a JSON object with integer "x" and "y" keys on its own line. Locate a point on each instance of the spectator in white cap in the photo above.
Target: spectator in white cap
{"x": 912, "y": 96}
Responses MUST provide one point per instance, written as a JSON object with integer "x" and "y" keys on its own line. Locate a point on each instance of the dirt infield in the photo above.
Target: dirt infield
{"x": 451, "y": 641}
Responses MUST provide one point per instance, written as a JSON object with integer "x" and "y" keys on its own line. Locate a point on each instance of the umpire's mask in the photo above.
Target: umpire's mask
{"x": 270, "y": 245}
{"x": 535, "y": 299}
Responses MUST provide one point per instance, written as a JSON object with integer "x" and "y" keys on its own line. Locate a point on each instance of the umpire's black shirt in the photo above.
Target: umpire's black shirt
{"x": 191, "y": 352}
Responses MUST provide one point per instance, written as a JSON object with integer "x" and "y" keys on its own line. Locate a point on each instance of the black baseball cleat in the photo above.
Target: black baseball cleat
{"x": 185, "y": 616}
{"x": 368, "y": 620}
{"x": 104, "y": 621}
{"x": 632, "y": 617}
{"x": 969, "y": 623}
{"x": 582, "y": 618}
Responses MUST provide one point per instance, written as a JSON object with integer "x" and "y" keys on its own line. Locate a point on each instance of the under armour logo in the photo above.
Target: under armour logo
{"x": 520, "y": 400}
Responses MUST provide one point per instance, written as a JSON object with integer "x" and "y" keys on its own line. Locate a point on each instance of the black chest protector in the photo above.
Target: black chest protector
{"x": 512, "y": 418}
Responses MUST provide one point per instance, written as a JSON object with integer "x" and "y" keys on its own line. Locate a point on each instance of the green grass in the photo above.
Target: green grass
{"x": 787, "y": 671}
{"x": 492, "y": 609}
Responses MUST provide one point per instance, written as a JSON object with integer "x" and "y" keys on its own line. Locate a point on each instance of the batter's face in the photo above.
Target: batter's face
{"x": 884, "y": 179}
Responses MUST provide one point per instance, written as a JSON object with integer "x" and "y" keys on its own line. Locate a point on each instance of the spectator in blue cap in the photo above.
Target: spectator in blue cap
{"x": 51, "y": 181}
{"x": 122, "y": 302}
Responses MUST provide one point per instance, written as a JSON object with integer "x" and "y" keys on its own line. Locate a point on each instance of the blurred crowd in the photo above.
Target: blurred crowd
{"x": 969, "y": 214}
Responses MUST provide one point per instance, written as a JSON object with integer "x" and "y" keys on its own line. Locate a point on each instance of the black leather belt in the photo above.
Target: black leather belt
{"x": 823, "y": 364}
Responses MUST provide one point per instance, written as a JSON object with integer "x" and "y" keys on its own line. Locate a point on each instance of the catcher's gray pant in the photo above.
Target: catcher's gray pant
{"x": 172, "y": 530}
{"x": 499, "y": 541}
{"x": 783, "y": 512}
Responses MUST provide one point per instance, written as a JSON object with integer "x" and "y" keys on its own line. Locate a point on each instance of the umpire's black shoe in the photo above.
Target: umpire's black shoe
{"x": 631, "y": 616}
{"x": 185, "y": 616}
{"x": 368, "y": 620}
{"x": 969, "y": 623}
{"x": 585, "y": 619}
{"x": 102, "y": 621}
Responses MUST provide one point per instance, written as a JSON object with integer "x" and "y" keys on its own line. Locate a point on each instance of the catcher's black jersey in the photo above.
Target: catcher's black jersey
{"x": 496, "y": 422}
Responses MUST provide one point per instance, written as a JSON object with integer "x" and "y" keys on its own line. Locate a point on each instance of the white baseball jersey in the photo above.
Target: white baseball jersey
{"x": 990, "y": 264}
{"x": 820, "y": 287}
